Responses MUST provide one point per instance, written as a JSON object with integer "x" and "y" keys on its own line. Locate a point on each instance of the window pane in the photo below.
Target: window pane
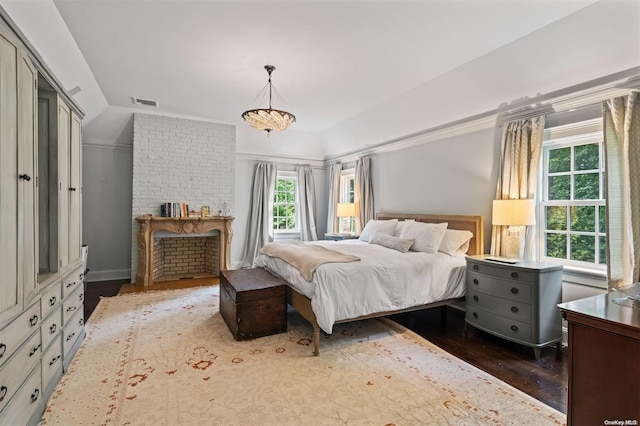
{"x": 603, "y": 250}
{"x": 560, "y": 160}
{"x": 559, "y": 187}
{"x": 556, "y": 218}
{"x": 602, "y": 213}
{"x": 557, "y": 246}
{"x": 583, "y": 218}
{"x": 583, "y": 248}
{"x": 587, "y": 186}
{"x": 587, "y": 157}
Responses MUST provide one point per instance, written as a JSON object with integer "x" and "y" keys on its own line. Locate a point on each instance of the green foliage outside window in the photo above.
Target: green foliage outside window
{"x": 284, "y": 205}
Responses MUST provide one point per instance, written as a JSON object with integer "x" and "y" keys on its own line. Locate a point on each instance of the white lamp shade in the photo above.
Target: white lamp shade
{"x": 514, "y": 212}
{"x": 346, "y": 210}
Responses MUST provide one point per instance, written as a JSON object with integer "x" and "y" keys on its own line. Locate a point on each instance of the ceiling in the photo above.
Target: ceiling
{"x": 334, "y": 59}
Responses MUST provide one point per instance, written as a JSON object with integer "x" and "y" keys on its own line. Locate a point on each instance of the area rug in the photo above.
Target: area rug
{"x": 167, "y": 358}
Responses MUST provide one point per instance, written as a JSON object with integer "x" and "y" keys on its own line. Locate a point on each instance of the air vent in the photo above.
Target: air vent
{"x": 145, "y": 102}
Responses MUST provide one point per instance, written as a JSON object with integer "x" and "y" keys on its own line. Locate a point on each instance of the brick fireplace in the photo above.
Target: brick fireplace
{"x": 178, "y": 258}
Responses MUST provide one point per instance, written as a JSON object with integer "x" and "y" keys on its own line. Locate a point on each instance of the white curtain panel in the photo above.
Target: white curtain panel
{"x": 363, "y": 192}
{"x": 621, "y": 117}
{"x": 259, "y": 227}
{"x": 333, "y": 223}
{"x": 307, "y": 203}
{"x": 519, "y": 164}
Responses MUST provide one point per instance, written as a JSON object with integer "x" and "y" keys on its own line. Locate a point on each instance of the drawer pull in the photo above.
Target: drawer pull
{"x": 514, "y": 275}
{"x": 3, "y": 392}
{"x": 81, "y": 321}
{"x": 475, "y": 281}
{"x": 514, "y": 328}
{"x": 69, "y": 337}
{"x": 71, "y": 284}
{"x": 475, "y": 315}
{"x": 71, "y": 308}
{"x": 514, "y": 290}
{"x": 514, "y": 309}
{"x": 33, "y": 320}
{"x": 52, "y": 301}
{"x": 475, "y": 267}
{"x": 35, "y": 395}
{"x": 54, "y": 360}
{"x": 475, "y": 298}
{"x": 3, "y": 349}
{"x": 34, "y": 350}
{"x": 25, "y": 177}
{"x": 53, "y": 328}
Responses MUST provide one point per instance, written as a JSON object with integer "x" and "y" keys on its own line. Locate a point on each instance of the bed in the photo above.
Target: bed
{"x": 373, "y": 280}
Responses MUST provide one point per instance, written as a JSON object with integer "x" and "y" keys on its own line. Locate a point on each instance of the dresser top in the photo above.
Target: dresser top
{"x": 531, "y": 265}
{"x": 603, "y": 307}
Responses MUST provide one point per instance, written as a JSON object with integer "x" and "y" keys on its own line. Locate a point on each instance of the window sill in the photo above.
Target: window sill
{"x": 584, "y": 276}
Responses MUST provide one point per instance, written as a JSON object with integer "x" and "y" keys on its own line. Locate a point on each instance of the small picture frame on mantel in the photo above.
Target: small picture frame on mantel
{"x": 206, "y": 211}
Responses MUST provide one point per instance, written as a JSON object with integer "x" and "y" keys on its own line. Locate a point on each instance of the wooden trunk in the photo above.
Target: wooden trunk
{"x": 253, "y": 303}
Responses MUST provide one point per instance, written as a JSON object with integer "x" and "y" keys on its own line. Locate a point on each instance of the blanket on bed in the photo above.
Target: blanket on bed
{"x": 305, "y": 257}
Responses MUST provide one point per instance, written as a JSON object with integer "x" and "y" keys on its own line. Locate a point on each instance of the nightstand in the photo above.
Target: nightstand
{"x": 339, "y": 237}
{"x": 517, "y": 302}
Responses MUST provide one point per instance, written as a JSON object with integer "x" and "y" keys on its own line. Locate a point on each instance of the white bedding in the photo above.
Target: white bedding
{"x": 383, "y": 280}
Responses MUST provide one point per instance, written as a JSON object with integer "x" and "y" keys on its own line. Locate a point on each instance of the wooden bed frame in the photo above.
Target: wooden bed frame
{"x": 475, "y": 224}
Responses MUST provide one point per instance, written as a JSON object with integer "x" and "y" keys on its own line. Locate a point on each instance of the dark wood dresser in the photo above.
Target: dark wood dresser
{"x": 604, "y": 361}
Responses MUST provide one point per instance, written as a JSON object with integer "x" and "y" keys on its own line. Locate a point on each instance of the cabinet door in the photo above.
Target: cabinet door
{"x": 10, "y": 291}
{"x": 64, "y": 122}
{"x": 27, "y": 166}
{"x": 75, "y": 188}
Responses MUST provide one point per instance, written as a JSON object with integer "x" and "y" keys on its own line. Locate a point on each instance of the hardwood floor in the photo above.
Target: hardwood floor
{"x": 545, "y": 379}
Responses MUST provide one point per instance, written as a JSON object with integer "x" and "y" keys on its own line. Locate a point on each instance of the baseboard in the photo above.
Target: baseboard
{"x": 108, "y": 275}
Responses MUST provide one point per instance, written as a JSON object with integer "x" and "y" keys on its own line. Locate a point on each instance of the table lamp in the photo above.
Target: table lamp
{"x": 345, "y": 210}
{"x": 515, "y": 214}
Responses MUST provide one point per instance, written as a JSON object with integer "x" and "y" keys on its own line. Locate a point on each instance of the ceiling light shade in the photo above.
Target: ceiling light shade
{"x": 269, "y": 119}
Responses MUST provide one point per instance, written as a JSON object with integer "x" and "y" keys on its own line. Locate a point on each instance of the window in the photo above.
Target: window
{"x": 285, "y": 203}
{"x": 572, "y": 208}
{"x": 348, "y": 195}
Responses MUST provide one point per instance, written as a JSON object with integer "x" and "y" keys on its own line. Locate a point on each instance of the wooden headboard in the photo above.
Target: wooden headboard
{"x": 475, "y": 224}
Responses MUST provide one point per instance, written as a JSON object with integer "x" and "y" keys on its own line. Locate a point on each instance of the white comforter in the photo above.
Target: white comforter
{"x": 383, "y": 280}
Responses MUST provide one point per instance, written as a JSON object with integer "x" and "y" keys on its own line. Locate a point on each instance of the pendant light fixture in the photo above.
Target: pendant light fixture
{"x": 269, "y": 119}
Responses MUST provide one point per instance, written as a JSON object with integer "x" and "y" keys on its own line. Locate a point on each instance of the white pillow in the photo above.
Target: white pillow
{"x": 401, "y": 223}
{"x": 381, "y": 226}
{"x": 389, "y": 241}
{"x": 426, "y": 236}
{"x": 455, "y": 242}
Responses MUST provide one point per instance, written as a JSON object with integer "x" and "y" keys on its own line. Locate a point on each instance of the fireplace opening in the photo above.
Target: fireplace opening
{"x": 178, "y": 257}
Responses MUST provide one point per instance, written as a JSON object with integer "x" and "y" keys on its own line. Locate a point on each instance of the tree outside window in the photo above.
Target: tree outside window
{"x": 285, "y": 205}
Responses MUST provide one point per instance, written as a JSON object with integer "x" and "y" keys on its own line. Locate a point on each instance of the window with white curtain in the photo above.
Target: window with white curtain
{"x": 572, "y": 208}
{"x": 347, "y": 195}
{"x": 285, "y": 203}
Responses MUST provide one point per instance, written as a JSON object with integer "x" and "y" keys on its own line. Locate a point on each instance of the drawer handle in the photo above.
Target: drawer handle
{"x": 3, "y": 392}
{"x": 514, "y": 328}
{"x": 475, "y": 281}
{"x": 514, "y": 309}
{"x": 475, "y": 267}
{"x": 81, "y": 321}
{"x": 475, "y": 315}
{"x": 52, "y": 329}
{"x": 71, "y": 308}
{"x": 3, "y": 349}
{"x": 69, "y": 337}
{"x": 514, "y": 290}
{"x": 35, "y": 395}
{"x": 475, "y": 298}
{"x": 72, "y": 189}
{"x": 54, "y": 360}
{"x": 52, "y": 301}
{"x": 33, "y": 320}
{"x": 71, "y": 284}
{"x": 34, "y": 350}
{"x": 514, "y": 275}
{"x": 25, "y": 177}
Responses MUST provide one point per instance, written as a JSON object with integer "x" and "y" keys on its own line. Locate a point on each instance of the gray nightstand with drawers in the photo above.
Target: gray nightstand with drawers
{"x": 517, "y": 301}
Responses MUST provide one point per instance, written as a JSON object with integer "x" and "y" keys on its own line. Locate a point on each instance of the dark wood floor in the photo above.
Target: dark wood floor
{"x": 545, "y": 379}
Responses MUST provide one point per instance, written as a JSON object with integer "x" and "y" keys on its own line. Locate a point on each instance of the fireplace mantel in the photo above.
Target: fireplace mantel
{"x": 183, "y": 225}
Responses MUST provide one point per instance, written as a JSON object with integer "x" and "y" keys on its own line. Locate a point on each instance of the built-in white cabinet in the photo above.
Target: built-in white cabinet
{"x": 41, "y": 276}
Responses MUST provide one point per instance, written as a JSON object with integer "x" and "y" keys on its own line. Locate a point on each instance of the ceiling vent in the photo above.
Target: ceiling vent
{"x": 145, "y": 102}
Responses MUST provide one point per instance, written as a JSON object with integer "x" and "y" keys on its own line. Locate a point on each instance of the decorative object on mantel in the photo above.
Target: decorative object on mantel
{"x": 268, "y": 119}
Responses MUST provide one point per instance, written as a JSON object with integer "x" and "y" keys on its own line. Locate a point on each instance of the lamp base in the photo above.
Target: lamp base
{"x": 514, "y": 246}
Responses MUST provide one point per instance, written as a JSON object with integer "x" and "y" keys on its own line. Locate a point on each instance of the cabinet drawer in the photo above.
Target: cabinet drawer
{"x": 25, "y": 403}
{"x": 51, "y": 298}
{"x": 50, "y": 329}
{"x": 517, "y": 331}
{"x": 52, "y": 362}
{"x": 72, "y": 282}
{"x": 72, "y": 304}
{"x": 71, "y": 332}
{"x": 509, "y": 273}
{"x": 16, "y": 369}
{"x": 507, "y": 308}
{"x": 511, "y": 290}
{"x": 12, "y": 336}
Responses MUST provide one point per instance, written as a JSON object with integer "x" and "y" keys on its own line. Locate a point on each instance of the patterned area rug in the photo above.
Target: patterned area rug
{"x": 167, "y": 358}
